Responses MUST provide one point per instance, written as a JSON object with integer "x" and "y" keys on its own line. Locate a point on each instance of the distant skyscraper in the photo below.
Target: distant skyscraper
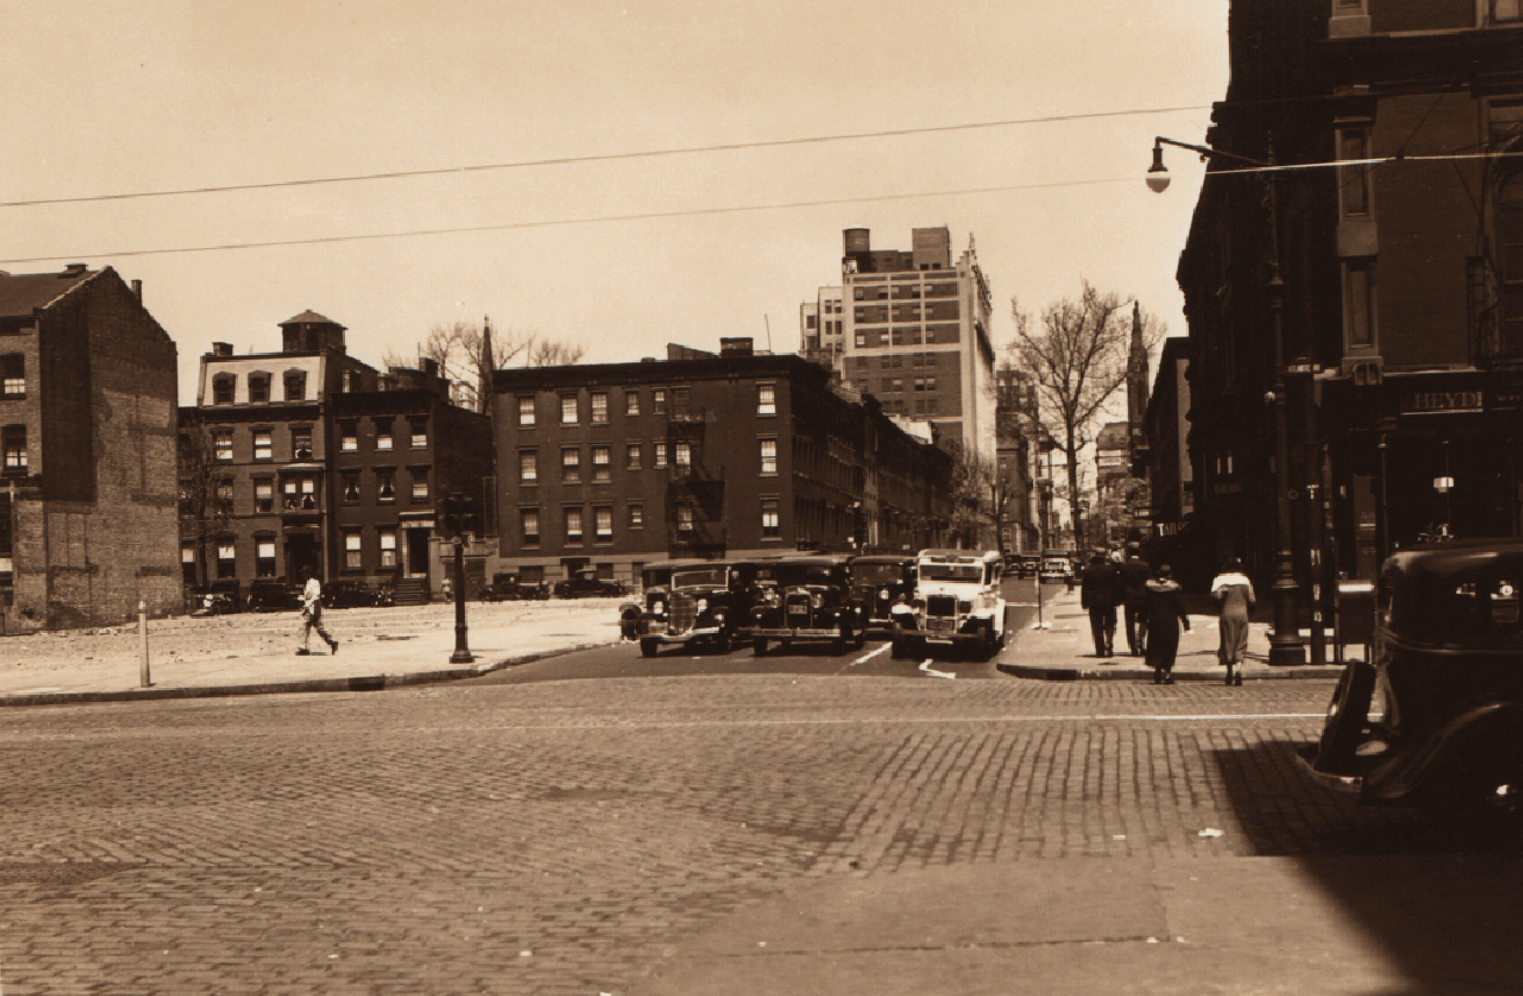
{"x": 911, "y": 329}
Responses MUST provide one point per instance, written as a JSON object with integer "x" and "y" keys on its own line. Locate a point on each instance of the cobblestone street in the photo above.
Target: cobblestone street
{"x": 558, "y": 838}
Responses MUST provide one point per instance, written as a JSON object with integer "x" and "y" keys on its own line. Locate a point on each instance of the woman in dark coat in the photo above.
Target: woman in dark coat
{"x": 1166, "y": 612}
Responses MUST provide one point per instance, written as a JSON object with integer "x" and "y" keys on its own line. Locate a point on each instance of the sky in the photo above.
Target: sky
{"x": 614, "y": 175}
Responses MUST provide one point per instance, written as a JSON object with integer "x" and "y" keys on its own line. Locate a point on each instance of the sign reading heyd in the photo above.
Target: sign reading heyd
{"x": 1441, "y": 402}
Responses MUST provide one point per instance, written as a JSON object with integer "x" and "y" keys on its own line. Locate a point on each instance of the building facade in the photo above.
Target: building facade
{"x": 913, "y": 330}
{"x": 317, "y": 462}
{"x": 87, "y": 428}
{"x": 1377, "y": 305}
{"x": 736, "y": 455}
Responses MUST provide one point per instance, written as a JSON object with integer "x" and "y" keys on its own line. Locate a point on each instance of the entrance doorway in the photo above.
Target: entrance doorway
{"x": 302, "y": 555}
{"x": 417, "y": 553}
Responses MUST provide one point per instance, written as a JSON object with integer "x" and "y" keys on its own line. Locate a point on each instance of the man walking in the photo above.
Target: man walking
{"x": 312, "y": 615}
{"x": 1134, "y": 576}
{"x": 1100, "y": 592}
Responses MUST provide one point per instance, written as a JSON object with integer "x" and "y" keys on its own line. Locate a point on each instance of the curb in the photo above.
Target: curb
{"x": 358, "y": 683}
{"x": 1037, "y": 672}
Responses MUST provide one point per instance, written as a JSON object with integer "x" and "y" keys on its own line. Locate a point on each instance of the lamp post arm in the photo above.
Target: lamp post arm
{"x": 1205, "y": 150}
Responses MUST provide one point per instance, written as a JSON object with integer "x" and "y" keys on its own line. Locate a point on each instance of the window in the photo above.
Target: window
{"x": 571, "y": 465}
{"x": 264, "y": 556}
{"x": 383, "y": 439}
{"x": 682, "y": 454}
{"x": 1358, "y": 304}
{"x": 684, "y": 518}
{"x": 1354, "y": 181}
{"x": 385, "y": 489}
{"x": 349, "y": 437}
{"x": 222, "y": 444}
{"x": 264, "y": 444}
{"x": 573, "y": 525}
{"x": 681, "y": 399}
{"x": 658, "y": 401}
{"x": 631, "y": 402}
{"x": 264, "y": 494}
{"x": 528, "y": 466}
{"x": 352, "y": 560}
{"x": 599, "y": 401}
{"x": 769, "y": 456}
{"x": 528, "y": 521}
{"x": 225, "y": 495}
{"x": 568, "y": 409}
{"x": 632, "y": 456}
{"x": 525, "y": 410}
{"x": 601, "y": 465}
{"x": 636, "y": 515}
{"x": 300, "y": 492}
{"x": 660, "y": 454}
{"x": 1506, "y": 10}
{"x": 766, "y": 399}
{"x": 388, "y": 544}
{"x": 296, "y": 385}
{"x": 602, "y": 521}
{"x": 769, "y": 524}
{"x": 227, "y": 558}
{"x": 418, "y": 439}
{"x": 351, "y": 486}
{"x": 259, "y": 388}
{"x": 301, "y": 443}
{"x": 13, "y": 375}
{"x": 222, "y": 389}
{"x": 419, "y": 484}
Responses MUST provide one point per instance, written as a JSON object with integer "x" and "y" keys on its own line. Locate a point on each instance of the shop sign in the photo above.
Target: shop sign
{"x": 1440, "y": 402}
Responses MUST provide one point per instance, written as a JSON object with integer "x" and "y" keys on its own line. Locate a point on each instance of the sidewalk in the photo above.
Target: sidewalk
{"x": 1064, "y": 651}
{"x": 254, "y": 653}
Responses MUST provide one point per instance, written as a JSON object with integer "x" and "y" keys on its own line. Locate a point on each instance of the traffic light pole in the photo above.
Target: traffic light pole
{"x": 462, "y": 654}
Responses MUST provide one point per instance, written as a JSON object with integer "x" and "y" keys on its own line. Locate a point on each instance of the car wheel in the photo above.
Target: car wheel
{"x": 759, "y": 646}
{"x": 1347, "y": 715}
{"x": 647, "y": 648}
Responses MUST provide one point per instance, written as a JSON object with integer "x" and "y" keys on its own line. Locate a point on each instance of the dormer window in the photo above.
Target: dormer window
{"x": 259, "y": 388}
{"x": 296, "y": 385}
{"x": 222, "y": 388}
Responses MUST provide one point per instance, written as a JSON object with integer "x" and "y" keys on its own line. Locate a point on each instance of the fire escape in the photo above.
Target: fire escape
{"x": 694, "y": 495}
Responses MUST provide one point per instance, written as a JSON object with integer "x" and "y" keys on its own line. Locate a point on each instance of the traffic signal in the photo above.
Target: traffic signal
{"x": 460, "y": 516}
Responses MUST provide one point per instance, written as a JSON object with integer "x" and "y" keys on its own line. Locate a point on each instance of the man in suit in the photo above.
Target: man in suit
{"x": 1135, "y": 574}
{"x": 1100, "y": 591}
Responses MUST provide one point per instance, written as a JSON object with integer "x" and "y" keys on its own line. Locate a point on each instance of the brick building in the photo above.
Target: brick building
{"x": 738, "y": 455}
{"x": 1398, "y": 353}
{"x": 321, "y": 463}
{"x": 87, "y": 428}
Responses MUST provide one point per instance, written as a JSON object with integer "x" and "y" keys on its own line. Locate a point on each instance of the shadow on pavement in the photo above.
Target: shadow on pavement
{"x": 1440, "y": 898}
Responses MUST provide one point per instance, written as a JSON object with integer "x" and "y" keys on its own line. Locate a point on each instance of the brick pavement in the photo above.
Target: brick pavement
{"x": 566, "y": 837}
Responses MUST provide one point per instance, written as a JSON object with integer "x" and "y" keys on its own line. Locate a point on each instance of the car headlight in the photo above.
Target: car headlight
{"x": 883, "y": 594}
{"x": 817, "y": 600}
{"x": 703, "y": 606}
{"x": 658, "y": 607}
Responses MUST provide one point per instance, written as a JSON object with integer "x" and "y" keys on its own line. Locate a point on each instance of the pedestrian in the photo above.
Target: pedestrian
{"x": 1100, "y": 592}
{"x": 1166, "y": 613}
{"x": 1135, "y": 573}
{"x": 1234, "y": 592}
{"x": 312, "y": 615}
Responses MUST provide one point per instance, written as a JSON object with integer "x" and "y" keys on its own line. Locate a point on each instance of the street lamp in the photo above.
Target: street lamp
{"x": 1285, "y": 644}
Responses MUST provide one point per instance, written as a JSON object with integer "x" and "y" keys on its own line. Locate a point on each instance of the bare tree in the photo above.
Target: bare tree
{"x": 1077, "y": 354}
{"x": 203, "y": 504}
{"x": 459, "y": 350}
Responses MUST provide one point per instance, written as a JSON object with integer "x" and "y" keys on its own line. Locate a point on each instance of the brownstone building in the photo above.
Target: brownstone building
{"x": 738, "y": 455}
{"x": 323, "y": 464}
{"x": 87, "y": 452}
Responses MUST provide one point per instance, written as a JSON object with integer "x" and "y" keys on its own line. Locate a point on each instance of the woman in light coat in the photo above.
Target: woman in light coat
{"x": 1234, "y": 592}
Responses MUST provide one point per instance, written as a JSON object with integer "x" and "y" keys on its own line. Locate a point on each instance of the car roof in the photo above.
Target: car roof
{"x": 960, "y": 556}
{"x": 883, "y": 558}
{"x": 677, "y": 565}
{"x": 813, "y": 560}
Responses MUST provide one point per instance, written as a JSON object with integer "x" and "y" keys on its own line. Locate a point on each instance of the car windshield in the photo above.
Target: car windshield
{"x": 705, "y": 577}
{"x": 952, "y": 572}
{"x": 787, "y": 574}
{"x": 877, "y": 573}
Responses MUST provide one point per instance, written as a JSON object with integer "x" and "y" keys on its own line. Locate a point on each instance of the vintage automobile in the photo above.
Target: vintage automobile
{"x": 216, "y": 599}
{"x": 1057, "y": 567}
{"x": 585, "y": 583}
{"x": 690, "y": 601}
{"x": 957, "y": 604}
{"x": 508, "y": 586}
{"x": 274, "y": 596}
{"x": 805, "y": 598}
{"x": 352, "y": 595}
{"x": 880, "y": 580}
{"x": 1434, "y": 718}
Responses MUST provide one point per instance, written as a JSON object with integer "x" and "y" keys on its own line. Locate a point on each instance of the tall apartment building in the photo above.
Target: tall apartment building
{"x": 88, "y": 488}
{"x": 736, "y": 455}
{"x": 324, "y": 464}
{"x": 912, "y": 330}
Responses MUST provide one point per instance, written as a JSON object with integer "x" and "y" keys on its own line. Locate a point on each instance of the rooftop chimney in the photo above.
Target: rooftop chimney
{"x": 736, "y": 346}
{"x": 74, "y": 270}
{"x": 137, "y": 290}
{"x": 222, "y": 349}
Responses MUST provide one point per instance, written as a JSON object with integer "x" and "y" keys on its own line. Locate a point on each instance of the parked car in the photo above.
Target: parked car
{"x": 216, "y": 599}
{"x": 585, "y": 583}
{"x": 880, "y": 580}
{"x": 351, "y": 595}
{"x": 691, "y": 601}
{"x": 1057, "y": 567}
{"x": 957, "y": 604}
{"x": 274, "y": 596}
{"x": 507, "y": 586}
{"x": 805, "y": 598}
{"x": 1027, "y": 565}
{"x": 1445, "y": 679}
